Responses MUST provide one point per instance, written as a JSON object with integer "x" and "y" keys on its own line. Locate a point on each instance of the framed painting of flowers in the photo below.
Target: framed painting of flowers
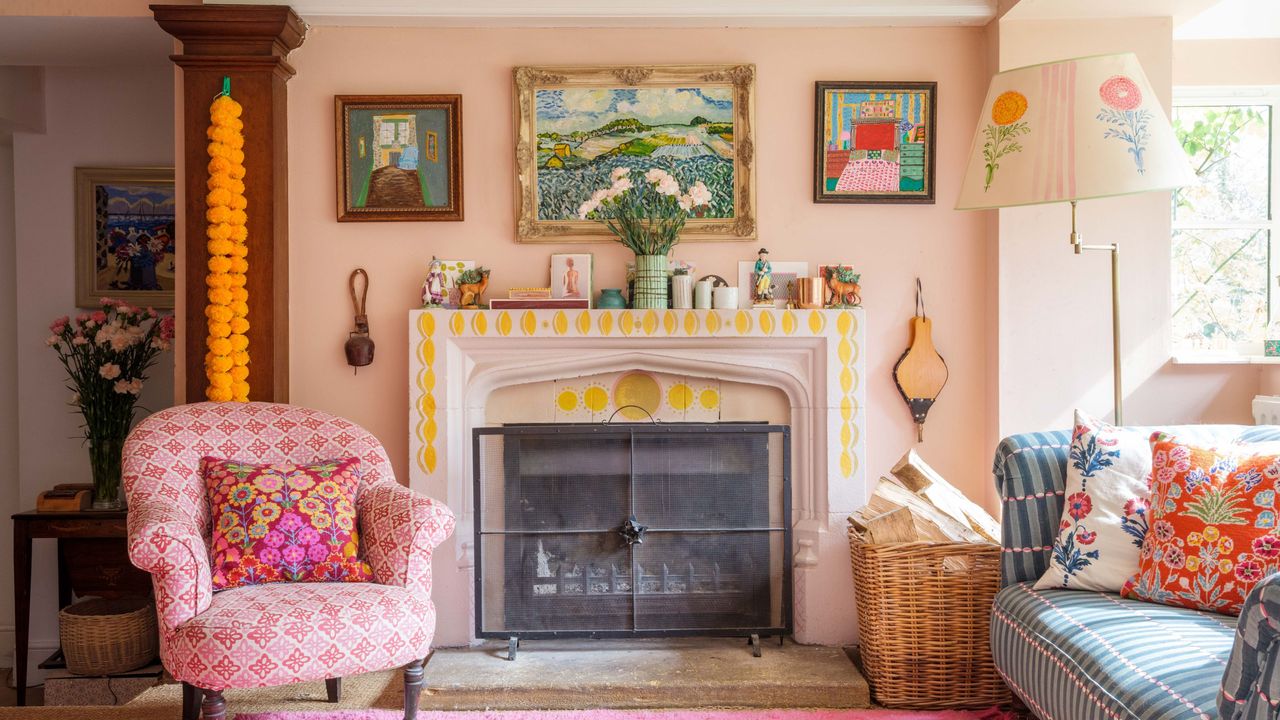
{"x": 576, "y": 126}
{"x": 874, "y": 142}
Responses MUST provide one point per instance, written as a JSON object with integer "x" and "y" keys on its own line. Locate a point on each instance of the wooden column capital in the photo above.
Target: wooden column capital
{"x": 250, "y": 44}
{"x": 232, "y": 30}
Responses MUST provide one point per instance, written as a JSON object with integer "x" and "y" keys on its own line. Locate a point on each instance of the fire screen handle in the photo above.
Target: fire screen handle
{"x": 624, "y": 407}
{"x": 632, "y": 532}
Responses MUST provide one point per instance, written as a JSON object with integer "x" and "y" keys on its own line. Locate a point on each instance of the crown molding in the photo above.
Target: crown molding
{"x": 637, "y": 13}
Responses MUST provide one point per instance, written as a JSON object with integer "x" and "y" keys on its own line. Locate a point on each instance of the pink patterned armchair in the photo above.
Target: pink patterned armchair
{"x": 282, "y": 632}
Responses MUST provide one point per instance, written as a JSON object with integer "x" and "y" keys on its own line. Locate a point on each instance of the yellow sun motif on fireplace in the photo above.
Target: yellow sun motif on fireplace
{"x": 709, "y": 399}
{"x": 595, "y": 398}
{"x": 567, "y": 400}
{"x": 680, "y": 396}
{"x": 641, "y": 390}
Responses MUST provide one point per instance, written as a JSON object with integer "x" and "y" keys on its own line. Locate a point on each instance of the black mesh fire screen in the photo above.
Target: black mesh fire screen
{"x": 632, "y": 530}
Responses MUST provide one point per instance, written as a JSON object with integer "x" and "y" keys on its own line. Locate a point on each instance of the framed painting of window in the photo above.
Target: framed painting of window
{"x": 576, "y": 125}
{"x": 399, "y": 157}
{"x": 874, "y": 142}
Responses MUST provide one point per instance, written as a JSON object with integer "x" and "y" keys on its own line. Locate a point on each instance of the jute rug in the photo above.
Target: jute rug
{"x": 634, "y": 715}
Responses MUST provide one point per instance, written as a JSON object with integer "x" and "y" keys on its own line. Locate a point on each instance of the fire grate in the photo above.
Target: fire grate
{"x": 632, "y": 530}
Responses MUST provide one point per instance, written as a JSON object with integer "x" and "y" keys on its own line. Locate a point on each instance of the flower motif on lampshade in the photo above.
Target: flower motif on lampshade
{"x": 1071, "y": 130}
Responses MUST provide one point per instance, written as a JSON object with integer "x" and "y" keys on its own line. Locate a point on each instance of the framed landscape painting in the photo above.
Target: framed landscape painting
{"x": 576, "y": 125}
{"x": 125, "y": 236}
{"x": 399, "y": 157}
{"x": 874, "y": 142}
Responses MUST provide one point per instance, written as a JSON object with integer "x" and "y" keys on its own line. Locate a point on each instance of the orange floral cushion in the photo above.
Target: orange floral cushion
{"x": 1213, "y": 532}
{"x": 284, "y": 523}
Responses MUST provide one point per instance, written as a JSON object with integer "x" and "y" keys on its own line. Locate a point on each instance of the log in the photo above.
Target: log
{"x": 931, "y": 523}
{"x": 916, "y": 475}
{"x": 895, "y": 526}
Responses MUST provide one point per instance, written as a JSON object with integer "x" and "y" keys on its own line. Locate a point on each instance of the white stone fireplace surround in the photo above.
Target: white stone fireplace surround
{"x": 457, "y": 359}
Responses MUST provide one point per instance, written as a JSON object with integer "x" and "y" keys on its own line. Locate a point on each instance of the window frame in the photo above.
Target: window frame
{"x": 1210, "y": 96}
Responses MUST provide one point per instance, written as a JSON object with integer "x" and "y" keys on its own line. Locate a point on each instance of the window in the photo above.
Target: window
{"x": 1224, "y": 261}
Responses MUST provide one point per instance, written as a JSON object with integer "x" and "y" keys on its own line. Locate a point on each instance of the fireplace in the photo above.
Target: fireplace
{"x": 632, "y": 530}
{"x": 465, "y": 367}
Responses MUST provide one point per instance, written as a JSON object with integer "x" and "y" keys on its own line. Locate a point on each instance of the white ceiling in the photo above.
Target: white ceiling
{"x": 676, "y": 13}
{"x": 1233, "y": 19}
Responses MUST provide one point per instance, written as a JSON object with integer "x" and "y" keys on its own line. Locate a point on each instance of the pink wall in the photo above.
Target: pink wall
{"x": 1054, "y": 308}
{"x": 890, "y": 244}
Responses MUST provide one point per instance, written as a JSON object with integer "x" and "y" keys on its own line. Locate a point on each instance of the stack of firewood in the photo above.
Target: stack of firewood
{"x": 916, "y": 504}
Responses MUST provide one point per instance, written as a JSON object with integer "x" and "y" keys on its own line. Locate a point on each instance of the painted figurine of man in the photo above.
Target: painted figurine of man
{"x": 763, "y": 290}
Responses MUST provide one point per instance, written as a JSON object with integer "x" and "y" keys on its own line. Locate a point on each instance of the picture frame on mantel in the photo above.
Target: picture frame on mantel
{"x": 399, "y": 157}
{"x": 576, "y": 124}
{"x": 125, "y": 234}
{"x": 874, "y": 142}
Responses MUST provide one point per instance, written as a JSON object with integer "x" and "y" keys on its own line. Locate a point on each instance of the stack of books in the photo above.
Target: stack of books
{"x": 537, "y": 299}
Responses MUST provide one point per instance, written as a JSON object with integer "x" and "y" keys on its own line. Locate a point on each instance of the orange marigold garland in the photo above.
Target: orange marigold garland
{"x": 227, "y": 360}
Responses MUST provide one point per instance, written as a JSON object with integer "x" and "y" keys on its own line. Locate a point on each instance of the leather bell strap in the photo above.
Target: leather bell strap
{"x": 358, "y": 303}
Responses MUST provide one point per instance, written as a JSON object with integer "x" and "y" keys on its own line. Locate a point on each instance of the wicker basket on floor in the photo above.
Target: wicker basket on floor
{"x": 105, "y": 637}
{"x": 924, "y": 618}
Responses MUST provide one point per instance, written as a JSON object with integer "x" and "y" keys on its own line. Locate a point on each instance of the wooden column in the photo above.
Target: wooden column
{"x": 249, "y": 44}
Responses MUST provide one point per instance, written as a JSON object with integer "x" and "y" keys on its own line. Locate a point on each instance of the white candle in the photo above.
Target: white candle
{"x": 702, "y": 295}
{"x": 726, "y": 298}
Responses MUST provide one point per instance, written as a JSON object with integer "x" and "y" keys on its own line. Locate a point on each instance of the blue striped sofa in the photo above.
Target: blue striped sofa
{"x": 1073, "y": 655}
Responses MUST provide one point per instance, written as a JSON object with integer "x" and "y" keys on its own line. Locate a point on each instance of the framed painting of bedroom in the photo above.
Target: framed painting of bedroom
{"x": 874, "y": 142}
{"x": 576, "y": 125}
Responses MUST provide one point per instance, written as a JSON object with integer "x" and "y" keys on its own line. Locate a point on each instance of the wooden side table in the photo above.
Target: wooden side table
{"x": 93, "y": 559}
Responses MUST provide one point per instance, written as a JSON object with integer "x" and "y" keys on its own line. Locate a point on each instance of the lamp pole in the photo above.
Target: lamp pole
{"x": 1114, "y": 249}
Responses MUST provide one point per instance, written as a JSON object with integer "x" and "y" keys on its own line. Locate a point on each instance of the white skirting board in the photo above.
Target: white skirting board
{"x": 1266, "y": 410}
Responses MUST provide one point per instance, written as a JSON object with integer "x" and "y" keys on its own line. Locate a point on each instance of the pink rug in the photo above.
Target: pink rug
{"x": 636, "y": 715}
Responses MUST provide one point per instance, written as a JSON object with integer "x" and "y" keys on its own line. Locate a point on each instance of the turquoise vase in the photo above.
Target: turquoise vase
{"x": 611, "y": 299}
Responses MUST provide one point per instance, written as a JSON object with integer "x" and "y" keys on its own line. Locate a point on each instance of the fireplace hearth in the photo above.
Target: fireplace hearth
{"x": 632, "y": 530}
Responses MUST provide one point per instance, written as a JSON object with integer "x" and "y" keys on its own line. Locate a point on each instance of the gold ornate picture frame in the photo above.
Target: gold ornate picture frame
{"x": 576, "y": 124}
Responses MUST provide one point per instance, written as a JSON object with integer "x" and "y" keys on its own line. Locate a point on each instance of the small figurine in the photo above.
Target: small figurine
{"x": 471, "y": 285}
{"x": 842, "y": 286}
{"x": 762, "y": 292}
{"x": 433, "y": 288}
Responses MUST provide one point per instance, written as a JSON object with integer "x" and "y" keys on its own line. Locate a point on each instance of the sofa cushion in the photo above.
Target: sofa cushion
{"x": 1078, "y": 655}
{"x": 263, "y": 635}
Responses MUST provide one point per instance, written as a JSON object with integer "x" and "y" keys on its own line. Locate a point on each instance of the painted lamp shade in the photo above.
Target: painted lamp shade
{"x": 1071, "y": 130}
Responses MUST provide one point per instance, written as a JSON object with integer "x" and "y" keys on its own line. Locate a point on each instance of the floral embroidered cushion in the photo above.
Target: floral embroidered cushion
{"x": 1213, "y": 525}
{"x": 1104, "y": 518}
{"x": 284, "y": 523}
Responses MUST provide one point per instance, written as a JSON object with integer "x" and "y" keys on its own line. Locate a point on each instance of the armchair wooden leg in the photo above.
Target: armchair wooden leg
{"x": 191, "y": 696}
{"x": 334, "y": 687}
{"x": 412, "y": 688}
{"x": 213, "y": 707}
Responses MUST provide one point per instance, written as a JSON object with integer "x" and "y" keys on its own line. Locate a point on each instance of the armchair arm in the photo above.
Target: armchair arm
{"x": 1251, "y": 687}
{"x": 169, "y": 545}
{"x": 401, "y": 528}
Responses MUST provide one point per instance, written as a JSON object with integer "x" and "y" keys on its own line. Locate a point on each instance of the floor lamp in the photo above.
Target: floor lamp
{"x": 1074, "y": 130}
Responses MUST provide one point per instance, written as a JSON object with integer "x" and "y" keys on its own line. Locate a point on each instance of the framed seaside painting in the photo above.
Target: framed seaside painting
{"x": 125, "y": 236}
{"x": 874, "y": 142}
{"x": 399, "y": 157}
{"x": 575, "y": 125}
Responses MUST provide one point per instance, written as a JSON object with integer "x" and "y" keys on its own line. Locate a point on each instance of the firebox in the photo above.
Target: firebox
{"x": 632, "y": 530}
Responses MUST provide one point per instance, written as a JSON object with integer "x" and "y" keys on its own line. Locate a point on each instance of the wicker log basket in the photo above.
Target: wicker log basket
{"x": 108, "y": 636}
{"x": 924, "y": 615}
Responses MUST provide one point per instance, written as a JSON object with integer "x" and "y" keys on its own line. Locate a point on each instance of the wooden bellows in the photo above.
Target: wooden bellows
{"x": 921, "y": 372}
